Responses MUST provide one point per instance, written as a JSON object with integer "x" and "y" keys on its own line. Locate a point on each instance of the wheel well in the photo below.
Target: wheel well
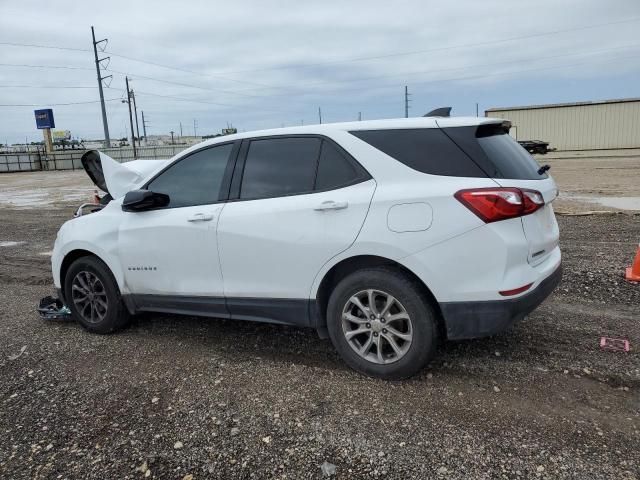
{"x": 71, "y": 257}
{"x": 349, "y": 265}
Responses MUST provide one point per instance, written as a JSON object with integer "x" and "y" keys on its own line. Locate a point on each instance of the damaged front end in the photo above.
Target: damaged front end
{"x": 113, "y": 178}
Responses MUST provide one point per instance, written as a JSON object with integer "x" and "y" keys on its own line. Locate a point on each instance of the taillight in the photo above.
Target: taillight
{"x": 495, "y": 204}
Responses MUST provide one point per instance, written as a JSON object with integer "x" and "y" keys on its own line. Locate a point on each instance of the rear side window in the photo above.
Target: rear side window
{"x": 427, "y": 150}
{"x": 334, "y": 169}
{"x": 194, "y": 180}
{"x": 496, "y": 152}
{"x": 278, "y": 167}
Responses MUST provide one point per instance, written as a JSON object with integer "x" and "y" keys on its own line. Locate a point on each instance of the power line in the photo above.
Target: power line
{"x": 333, "y": 62}
{"x": 134, "y": 76}
{"x": 46, "y": 86}
{"x": 380, "y": 87}
{"x": 484, "y": 75}
{"x": 431, "y": 71}
{"x": 55, "y": 104}
{"x": 186, "y": 99}
{"x": 169, "y": 67}
{"x": 133, "y": 59}
{"x": 51, "y": 47}
{"x": 204, "y": 102}
{"x": 181, "y": 84}
{"x": 66, "y": 67}
{"x": 469, "y": 67}
{"x": 435, "y": 49}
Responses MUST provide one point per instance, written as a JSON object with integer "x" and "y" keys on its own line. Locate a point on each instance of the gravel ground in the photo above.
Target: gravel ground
{"x": 187, "y": 398}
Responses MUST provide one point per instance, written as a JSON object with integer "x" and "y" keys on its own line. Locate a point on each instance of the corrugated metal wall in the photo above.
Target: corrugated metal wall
{"x": 610, "y": 125}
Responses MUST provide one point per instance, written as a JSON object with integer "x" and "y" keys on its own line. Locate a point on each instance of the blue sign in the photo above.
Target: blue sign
{"x": 44, "y": 118}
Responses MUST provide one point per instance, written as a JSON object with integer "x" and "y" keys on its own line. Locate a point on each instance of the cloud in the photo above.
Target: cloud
{"x": 262, "y": 64}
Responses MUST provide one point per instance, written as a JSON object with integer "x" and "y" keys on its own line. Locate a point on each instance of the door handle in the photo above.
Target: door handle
{"x": 331, "y": 205}
{"x": 200, "y": 217}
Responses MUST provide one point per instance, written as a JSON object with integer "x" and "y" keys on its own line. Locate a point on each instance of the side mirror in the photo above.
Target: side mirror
{"x": 141, "y": 200}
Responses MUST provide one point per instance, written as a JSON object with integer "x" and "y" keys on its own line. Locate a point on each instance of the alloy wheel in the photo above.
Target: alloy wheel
{"x": 89, "y": 296}
{"x": 377, "y": 326}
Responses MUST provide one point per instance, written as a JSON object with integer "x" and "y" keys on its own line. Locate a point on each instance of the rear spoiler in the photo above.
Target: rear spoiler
{"x": 439, "y": 112}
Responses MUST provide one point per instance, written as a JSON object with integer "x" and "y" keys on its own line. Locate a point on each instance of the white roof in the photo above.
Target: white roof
{"x": 122, "y": 177}
{"x": 396, "y": 123}
{"x": 327, "y": 128}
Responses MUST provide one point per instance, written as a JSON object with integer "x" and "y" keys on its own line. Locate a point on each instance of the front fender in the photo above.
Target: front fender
{"x": 96, "y": 233}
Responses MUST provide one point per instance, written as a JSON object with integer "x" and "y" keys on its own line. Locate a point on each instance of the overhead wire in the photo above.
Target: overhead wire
{"x": 55, "y": 104}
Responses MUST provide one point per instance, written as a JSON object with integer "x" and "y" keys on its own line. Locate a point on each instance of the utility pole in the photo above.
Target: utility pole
{"x": 320, "y": 115}
{"x": 195, "y": 128}
{"x": 135, "y": 111}
{"x": 105, "y": 125}
{"x": 144, "y": 128}
{"x": 476, "y": 109}
{"x": 406, "y": 101}
{"x": 180, "y": 129}
{"x": 133, "y": 137}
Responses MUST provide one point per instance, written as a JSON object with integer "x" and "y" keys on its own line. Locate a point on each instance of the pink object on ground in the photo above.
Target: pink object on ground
{"x": 614, "y": 344}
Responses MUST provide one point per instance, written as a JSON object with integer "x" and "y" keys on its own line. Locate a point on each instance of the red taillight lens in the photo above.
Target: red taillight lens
{"x": 495, "y": 204}
{"x": 515, "y": 291}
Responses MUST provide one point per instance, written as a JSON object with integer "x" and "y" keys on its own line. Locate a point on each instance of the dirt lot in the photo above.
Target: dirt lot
{"x": 176, "y": 396}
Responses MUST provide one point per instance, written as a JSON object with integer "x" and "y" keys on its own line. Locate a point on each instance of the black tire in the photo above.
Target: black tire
{"x": 421, "y": 314}
{"x": 115, "y": 316}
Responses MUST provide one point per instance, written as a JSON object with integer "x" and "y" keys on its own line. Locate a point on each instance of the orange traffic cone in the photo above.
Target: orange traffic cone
{"x": 633, "y": 272}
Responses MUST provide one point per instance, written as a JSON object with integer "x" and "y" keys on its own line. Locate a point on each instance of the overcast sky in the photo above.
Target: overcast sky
{"x": 262, "y": 64}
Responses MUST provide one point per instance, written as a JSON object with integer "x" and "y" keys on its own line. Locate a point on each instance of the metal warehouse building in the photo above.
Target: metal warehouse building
{"x": 605, "y": 125}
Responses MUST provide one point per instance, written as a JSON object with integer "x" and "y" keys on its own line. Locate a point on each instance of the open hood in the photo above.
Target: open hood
{"x": 116, "y": 178}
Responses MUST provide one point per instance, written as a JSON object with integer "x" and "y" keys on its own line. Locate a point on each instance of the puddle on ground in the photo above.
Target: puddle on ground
{"x": 19, "y": 198}
{"x": 620, "y": 203}
{"x": 11, "y": 244}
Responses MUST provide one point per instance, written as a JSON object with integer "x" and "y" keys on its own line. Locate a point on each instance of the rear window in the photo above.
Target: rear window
{"x": 496, "y": 152}
{"x": 475, "y": 151}
{"x": 427, "y": 150}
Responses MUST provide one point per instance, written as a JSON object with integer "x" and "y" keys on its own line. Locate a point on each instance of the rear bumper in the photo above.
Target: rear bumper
{"x": 476, "y": 319}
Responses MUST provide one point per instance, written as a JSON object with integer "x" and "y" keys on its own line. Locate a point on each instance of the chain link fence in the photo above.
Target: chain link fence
{"x": 70, "y": 159}
{"x": 20, "y": 162}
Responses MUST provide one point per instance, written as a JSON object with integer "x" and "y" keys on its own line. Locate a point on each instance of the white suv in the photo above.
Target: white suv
{"x": 384, "y": 235}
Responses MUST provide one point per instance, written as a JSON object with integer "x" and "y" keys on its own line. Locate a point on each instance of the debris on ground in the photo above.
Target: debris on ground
{"x": 19, "y": 354}
{"x": 53, "y": 309}
{"x": 328, "y": 469}
{"x": 88, "y": 389}
{"x": 614, "y": 344}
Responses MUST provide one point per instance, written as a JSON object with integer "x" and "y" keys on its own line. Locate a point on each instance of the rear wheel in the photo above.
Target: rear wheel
{"x": 381, "y": 324}
{"x": 92, "y": 294}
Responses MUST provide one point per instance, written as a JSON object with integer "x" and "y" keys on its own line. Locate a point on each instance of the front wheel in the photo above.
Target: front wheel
{"x": 92, "y": 294}
{"x": 381, "y": 324}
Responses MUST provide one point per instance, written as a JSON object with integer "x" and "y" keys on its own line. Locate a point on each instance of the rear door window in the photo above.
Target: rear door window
{"x": 277, "y": 167}
{"x": 335, "y": 170}
{"x": 427, "y": 150}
